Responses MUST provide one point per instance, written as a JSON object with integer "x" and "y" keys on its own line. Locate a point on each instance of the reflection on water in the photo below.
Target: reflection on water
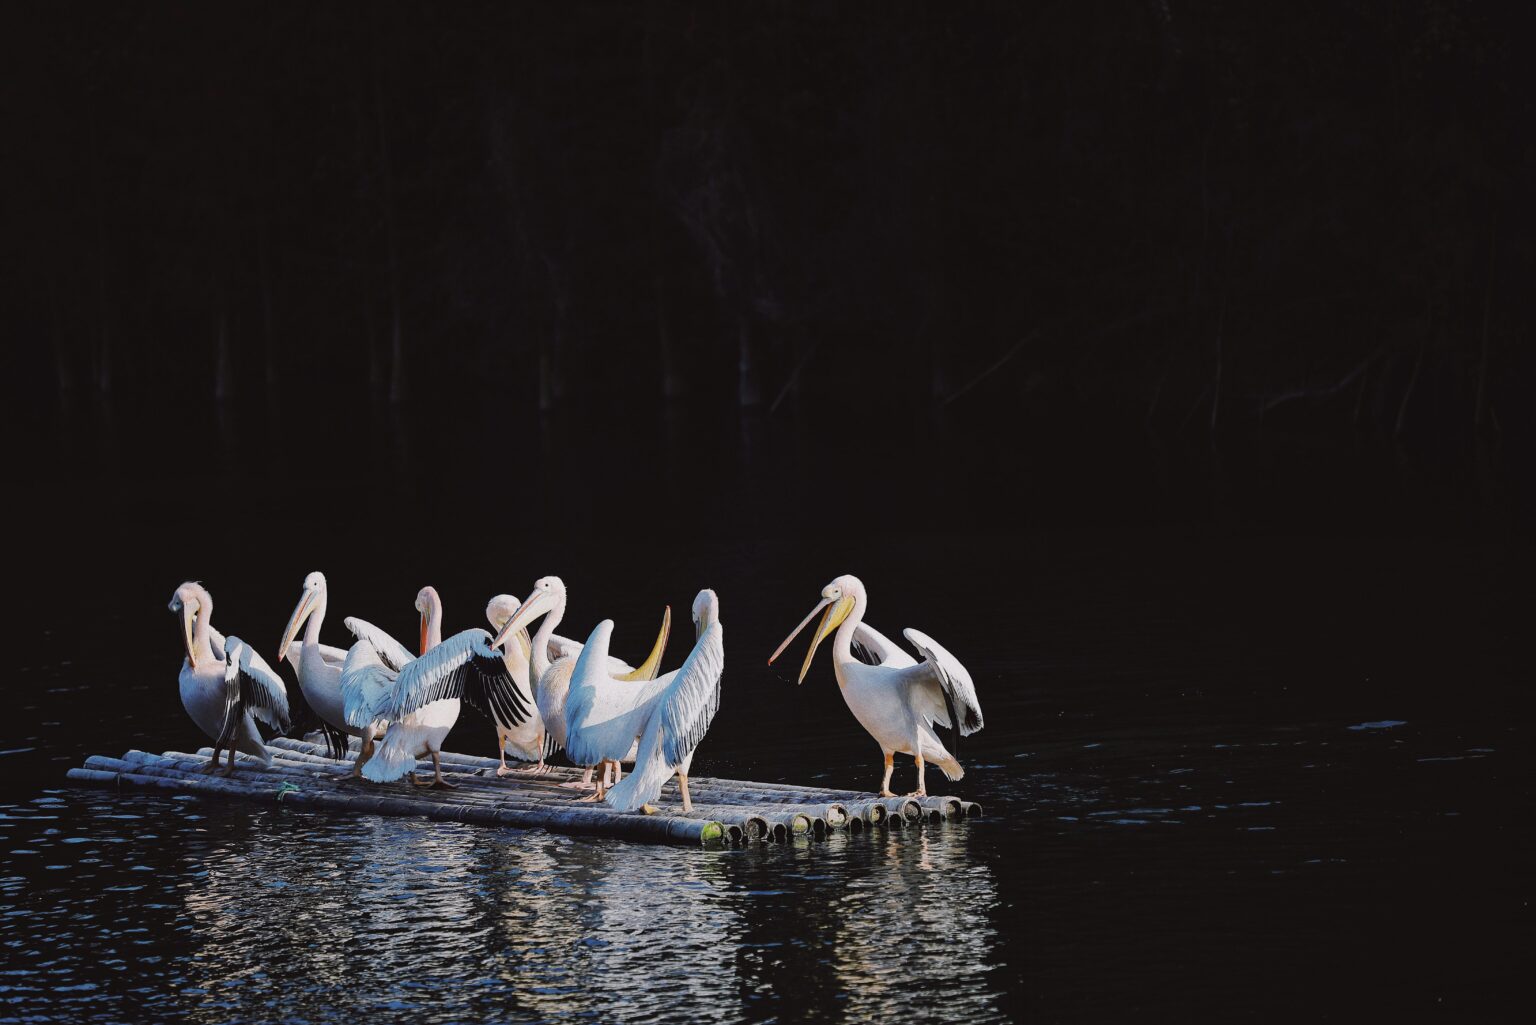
{"x": 1113, "y": 870}
{"x": 266, "y": 915}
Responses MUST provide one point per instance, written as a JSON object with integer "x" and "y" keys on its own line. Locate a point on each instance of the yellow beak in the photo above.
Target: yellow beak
{"x": 837, "y": 610}
{"x": 647, "y": 669}
{"x": 301, "y": 612}
{"x": 186, "y": 632}
{"x": 524, "y": 612}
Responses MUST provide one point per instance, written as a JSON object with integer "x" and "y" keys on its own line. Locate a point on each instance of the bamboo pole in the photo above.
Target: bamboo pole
{"x": 726, "y": 810}
{"x": 872, "y": 809}
{"x": 897, "y": 811}
{"x": 749, "y": 823}
{"x": 894, "y": 810}
{"x": 650, "y": 828}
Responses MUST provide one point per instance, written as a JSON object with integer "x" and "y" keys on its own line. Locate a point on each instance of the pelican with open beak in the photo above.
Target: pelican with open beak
{"x": 897, "y": 699}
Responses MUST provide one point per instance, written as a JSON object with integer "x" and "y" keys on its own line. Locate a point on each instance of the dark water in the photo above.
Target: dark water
{"x": 1252, "y": 751}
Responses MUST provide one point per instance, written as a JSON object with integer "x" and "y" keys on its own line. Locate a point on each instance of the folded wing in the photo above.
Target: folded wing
{"x": 250, "y": 686}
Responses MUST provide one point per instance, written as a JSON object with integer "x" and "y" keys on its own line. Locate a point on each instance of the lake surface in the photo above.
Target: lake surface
{"x": 1242, "y": 760}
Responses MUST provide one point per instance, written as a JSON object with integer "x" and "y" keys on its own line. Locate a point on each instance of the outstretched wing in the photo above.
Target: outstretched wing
{"x": 251, "y": 686}
{"x": 688, "y": 705}
{"x": 367, "y": 685}
{"x": 951, "y": 678}
{"x": 391, "y": 652}
{"x": 875, "y": 648}
{"x": 464, "y": 666}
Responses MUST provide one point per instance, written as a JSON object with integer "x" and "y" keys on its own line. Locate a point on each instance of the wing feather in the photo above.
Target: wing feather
{"x": 882, "y": 650}
{"x": 677, "y": 724}
{"x": 391, "y": 652}
{"x": 463, "y": 667}
{"x": 688, "y": 706}
{"x": 564, "y": 647}
{"x": 261, "y": 690}
{"x": 952, "y": 678}
{"x": 366, "y": 686}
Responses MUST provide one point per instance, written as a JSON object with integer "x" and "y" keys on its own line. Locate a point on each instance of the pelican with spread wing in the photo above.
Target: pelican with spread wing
{"x": 420, "y": 697}
{"x": 680, "y": 715}
{"x": 226, "y": 687}
{"x": 898, "y": 699}
{"x": 552, "y": 659}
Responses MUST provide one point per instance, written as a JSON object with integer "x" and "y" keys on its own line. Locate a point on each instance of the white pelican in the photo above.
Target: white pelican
{"x": 318, "y": 666}
{"x": 421, "y": 698}
{"x": 898, "y": 700}
{"x": 225, "y": 685}
{"x": 523, "y": 741}
{"x": 605, "y": 714}
{"x": 553, "y": 658}
{"x": 680, "y": 715}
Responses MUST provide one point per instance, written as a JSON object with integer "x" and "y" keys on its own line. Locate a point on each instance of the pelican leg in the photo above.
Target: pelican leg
{"x": 585, "y": 783}
{"x": 213, "y": 763}
{"x": 501, "y": 751}
{"x": 364, "y": 753}
{"x": 618, "y": 771}
{"x": 885, "y": 782}
{"x": 922, "y": 787}
{"x": 682, "y": 784}
{"x": 540, "y": 766}
{"x": 437, "y": 779}
{"x": 599, "y": 794}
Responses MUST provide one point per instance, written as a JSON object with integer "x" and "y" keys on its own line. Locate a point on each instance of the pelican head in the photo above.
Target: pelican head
{"x": 190, "y": 600}
{"x": 838, "y": 598}
{"x": 428, "y": 604}
{"x": 706, "y": 610}
{"x": 311, "y": 596}
{"x": 500, "y": 609}
{"x": 547, "y": 595}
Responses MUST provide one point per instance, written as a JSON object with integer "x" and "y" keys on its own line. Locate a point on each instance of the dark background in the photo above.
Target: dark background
{"x": 1202, "y": 220}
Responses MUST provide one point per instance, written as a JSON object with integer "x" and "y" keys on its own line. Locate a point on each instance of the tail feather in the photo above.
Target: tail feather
{"x": 952, "y": 769}
{"x": 391, "y": 759}
{"x": 644, "y": 782}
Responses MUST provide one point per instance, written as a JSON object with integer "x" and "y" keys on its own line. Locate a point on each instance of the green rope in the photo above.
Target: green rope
{"x": 285, "y": 790}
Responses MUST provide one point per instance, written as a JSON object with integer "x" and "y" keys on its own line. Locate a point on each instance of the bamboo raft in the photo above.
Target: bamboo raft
{"x": 725, "y": 811}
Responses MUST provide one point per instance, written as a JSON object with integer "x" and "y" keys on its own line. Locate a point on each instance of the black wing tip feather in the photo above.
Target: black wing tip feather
{"x": 864, "y": 654}
{"x": 335, "y": 741}
{"x": 954, "y": 718}
{"x": 495, "y": 691}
